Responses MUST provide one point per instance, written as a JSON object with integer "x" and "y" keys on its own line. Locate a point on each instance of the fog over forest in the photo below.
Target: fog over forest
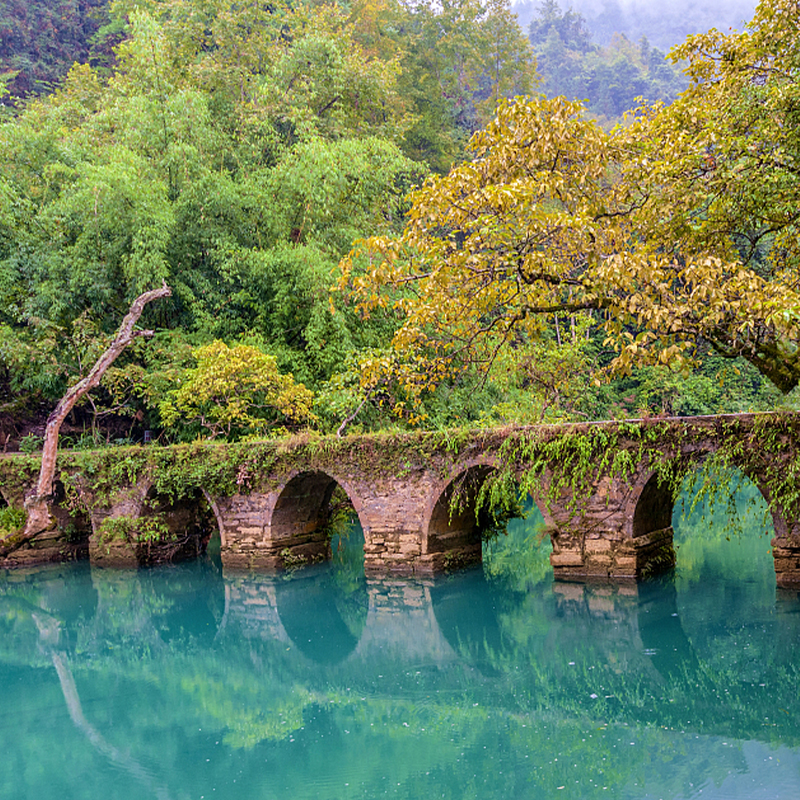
{"x": 664, "y": 24}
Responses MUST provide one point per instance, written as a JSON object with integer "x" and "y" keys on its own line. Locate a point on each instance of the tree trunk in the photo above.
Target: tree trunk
{"x": 39, "y": 518}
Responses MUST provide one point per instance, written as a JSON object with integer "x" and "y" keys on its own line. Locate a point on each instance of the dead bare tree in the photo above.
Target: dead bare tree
{"x": 39, "y": 518}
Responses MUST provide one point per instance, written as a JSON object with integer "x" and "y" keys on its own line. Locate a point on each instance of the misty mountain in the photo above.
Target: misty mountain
{"x": 664, "y": 24}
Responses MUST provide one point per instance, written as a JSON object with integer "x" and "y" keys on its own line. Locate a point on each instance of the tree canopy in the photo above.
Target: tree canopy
{"x": 675, "y": 232}
{"x": 238, "y": 151}
{"x": 236, "y": 161}
{"x": 237, "y": 390}
{"x": 40, "y": 40}
{"x": 235, "y": 151}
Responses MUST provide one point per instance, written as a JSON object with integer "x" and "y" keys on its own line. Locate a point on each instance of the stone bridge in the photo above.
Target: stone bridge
{"x": 605, "y": 491}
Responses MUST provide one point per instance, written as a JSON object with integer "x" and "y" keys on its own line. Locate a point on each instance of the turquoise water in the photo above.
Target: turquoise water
{"x": 190, "y": 682}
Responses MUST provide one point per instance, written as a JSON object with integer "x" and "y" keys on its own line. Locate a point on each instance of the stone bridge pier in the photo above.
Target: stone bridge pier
{"x": 622, "y": 531}
{"x": 785, "y": 545}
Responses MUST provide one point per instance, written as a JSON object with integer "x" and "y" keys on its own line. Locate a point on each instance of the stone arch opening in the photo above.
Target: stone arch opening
{"x": 723, "y": 524}
{"x": 153, "y": 528}
{"x": 654, "y": 507}
{"x": 454, "y": 523}
{"x": 725, "y": 578}
{"x": 460, "y": 519}
{"x": 521, "y": 556}
{"x": 188, "y": 522}
{"x": 311, "y": 509}
{"x": 462, "y": 529}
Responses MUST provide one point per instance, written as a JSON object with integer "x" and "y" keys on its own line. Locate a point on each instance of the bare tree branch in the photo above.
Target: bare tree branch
{"x": 39, "y": 518}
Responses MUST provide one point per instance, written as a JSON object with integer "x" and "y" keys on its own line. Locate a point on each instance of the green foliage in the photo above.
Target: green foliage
{"x": 237, "y": 151}
{"x": 40, "y": 40}
{"x": 544, "y": 380}
{"x": 456, "y": 61}
{"x": 145, "y": 530}
{"x": 610, "y": 80}
{"x": 236, "y": 154}
{"x": 498, "y": 502}
{"x": 498, "y": 247}
{"x": 236, "y": 392}
{"x": 30, "y": 443}
{"x": 11, "y": 520}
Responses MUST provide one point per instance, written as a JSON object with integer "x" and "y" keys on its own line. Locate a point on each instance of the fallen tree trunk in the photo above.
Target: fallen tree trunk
{"x": 39, "y": 518}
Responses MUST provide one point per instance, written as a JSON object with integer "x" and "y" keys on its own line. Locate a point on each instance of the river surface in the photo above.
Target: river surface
{"x": 190, "y": 682}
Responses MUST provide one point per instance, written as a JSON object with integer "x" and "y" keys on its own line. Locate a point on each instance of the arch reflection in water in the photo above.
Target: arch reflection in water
{"x": 321, "y": 620}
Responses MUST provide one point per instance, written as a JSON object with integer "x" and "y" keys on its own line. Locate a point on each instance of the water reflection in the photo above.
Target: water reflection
{"x": 185, "y": 682}
{"x": 315, "y": 616}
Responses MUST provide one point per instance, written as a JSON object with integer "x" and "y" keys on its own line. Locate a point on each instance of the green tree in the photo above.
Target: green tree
{"x": 235, "y": 155}
{"x": 456, "y": 60}
{"x": 609, "y": 79}
{"x": 236, "y": 391}
{"x": 40, "y": 41}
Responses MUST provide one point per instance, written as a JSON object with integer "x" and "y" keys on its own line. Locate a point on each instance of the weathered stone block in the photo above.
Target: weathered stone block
{"x": 597, "y": 545}
{"x": 790, "y": 542}
{"x": 566, "y": 559}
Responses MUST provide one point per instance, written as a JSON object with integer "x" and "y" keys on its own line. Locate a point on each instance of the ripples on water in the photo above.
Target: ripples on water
{"x": 184, "y": 682}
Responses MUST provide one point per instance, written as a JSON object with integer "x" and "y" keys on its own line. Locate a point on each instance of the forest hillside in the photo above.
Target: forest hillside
{"x": 360, "y": 230}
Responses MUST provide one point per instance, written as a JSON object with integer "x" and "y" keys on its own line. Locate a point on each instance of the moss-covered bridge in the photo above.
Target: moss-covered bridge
{"x": 605, "y": 489}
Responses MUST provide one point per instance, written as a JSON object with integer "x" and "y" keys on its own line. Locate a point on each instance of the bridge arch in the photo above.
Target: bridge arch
{"x": 786, "y": 529}
{"x": 450, "y": 523}
{"x": 218, "y": 517}
{"x": 154, "y": 528}
{"x": 186, "y": 519}
{"x": 649, "y": 507}
{"x": 299, "y": 511}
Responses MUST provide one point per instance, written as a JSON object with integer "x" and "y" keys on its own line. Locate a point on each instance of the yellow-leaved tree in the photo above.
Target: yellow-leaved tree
{"x": 674, "y": 233}
{"x": 235, "y": 392}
